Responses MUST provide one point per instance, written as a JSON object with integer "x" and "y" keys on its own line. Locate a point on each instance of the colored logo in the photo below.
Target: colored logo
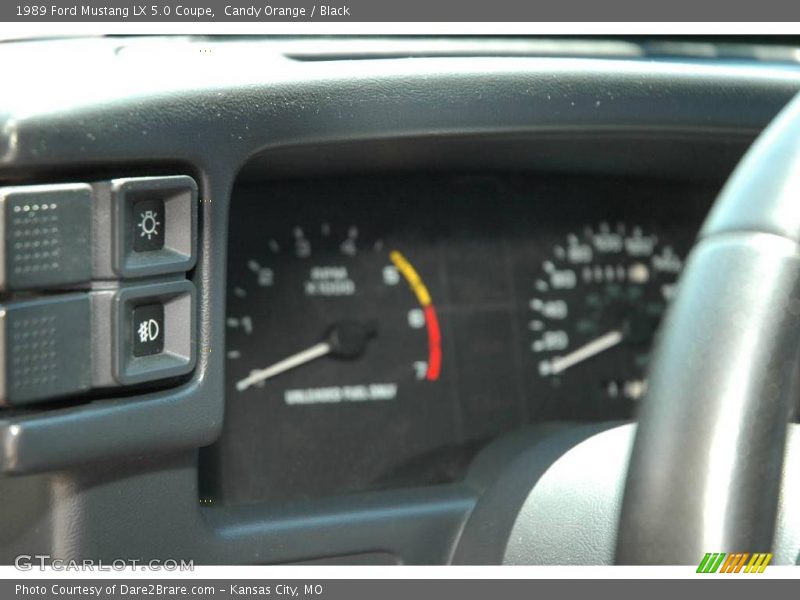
{"x": 736, "y": 562}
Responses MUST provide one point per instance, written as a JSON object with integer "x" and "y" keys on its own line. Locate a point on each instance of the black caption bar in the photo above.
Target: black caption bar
{"x": 401, "y": 11}
{"x": 344, "y": 589}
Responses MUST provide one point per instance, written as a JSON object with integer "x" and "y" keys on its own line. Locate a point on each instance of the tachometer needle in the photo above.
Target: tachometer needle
{"x": 347, "y": 339}
{"x": 316, "y": 351}
{"x": 593, "y": 348}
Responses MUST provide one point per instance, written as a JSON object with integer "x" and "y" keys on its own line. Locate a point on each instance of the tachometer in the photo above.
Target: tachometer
{"x": 347, "y": 320}
{"x": 594, "y": 308}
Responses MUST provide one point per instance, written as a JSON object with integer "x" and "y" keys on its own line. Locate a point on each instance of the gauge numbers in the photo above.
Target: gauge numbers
{"x": 596, "y": 301}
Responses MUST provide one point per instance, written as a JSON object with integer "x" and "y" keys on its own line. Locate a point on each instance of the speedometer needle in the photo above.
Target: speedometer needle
{"x": 593, "y": 348}
{"x": 347, "y": 339}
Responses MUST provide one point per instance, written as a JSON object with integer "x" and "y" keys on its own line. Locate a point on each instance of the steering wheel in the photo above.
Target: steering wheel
{"x": 705, "y": 467}
{"x": 705, "y": 471}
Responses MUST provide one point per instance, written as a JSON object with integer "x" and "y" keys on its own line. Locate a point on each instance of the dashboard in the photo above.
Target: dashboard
{"x": 400, "y": 289}
{"x": 381, "y": 329}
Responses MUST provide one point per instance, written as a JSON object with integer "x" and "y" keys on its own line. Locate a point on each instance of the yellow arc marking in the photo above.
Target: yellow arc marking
{"x": 413, "y": 278}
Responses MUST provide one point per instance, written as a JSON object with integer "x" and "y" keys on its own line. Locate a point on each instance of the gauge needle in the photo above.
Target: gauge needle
{"x": 347, "y": 339}
{"x": 295, "y": 360}
{"x": 593, "y": 348}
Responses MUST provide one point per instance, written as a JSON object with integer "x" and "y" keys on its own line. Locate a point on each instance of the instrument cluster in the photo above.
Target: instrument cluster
{"x": 380, "y": 330}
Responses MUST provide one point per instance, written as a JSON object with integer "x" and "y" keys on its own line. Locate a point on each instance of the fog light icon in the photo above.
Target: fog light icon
{"x": 148, "y": 331}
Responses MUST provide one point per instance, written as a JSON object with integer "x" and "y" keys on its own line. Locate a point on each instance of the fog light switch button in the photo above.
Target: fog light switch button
{"x": 153, "y": 331}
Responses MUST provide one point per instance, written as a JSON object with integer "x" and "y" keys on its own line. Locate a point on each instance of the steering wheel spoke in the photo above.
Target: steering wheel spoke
{"x": 705, "y": 470}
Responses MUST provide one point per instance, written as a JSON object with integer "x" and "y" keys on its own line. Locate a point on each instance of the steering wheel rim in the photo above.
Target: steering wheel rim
{"x": 705, "y": 469}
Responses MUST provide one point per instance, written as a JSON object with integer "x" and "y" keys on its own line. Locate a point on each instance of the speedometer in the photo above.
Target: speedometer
{"x": 594, "y": 307}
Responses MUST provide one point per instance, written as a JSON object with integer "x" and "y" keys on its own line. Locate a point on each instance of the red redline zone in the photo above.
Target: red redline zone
{"x": 434, "y": 344}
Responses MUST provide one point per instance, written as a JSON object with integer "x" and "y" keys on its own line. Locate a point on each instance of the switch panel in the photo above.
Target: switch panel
{"x": 46, "y": 348}
{"x": 47, "y": 231}
{"x": 113, "y": 256}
